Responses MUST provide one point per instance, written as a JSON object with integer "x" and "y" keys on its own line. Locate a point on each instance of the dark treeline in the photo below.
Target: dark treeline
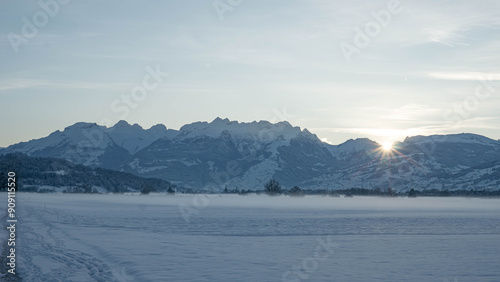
{"x": 296, "y": 191}
{"x": 32, "y": 172}
{"x": 410, "y": 193}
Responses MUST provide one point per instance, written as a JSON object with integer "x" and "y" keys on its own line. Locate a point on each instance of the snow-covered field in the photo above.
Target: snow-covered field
{"x": 255, "y": 238}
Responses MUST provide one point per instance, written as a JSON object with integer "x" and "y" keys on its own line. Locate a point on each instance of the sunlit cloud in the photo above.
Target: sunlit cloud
{"x": 412, "y": 112}
{"x": 480, "y": 76}
{"x": 325, "y": 140}
{"x": 445, "y": 36}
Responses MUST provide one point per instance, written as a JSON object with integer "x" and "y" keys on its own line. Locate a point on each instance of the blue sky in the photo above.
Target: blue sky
{"x": 427, "y": 67}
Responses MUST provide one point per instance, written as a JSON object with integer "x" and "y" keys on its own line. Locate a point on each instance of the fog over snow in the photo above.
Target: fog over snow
{"x": 255, "y": 238}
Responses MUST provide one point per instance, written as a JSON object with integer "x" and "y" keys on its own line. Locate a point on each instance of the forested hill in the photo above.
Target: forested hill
{"x": 33, "y": 173}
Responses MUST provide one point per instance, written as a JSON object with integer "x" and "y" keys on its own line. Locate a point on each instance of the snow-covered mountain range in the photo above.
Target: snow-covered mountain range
{"x": 226, "y": 153}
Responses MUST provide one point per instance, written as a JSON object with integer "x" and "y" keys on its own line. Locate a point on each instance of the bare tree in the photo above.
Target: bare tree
{"x": 273, "y": 187}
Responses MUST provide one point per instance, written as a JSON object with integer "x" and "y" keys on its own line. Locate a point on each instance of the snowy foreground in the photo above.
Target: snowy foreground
{"x": 255, "y": 238}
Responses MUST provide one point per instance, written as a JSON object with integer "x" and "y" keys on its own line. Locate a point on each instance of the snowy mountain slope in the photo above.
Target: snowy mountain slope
{"x": 263, "y": 130}
{"x": 134, "y": 138}
{"x": 82, "y": 143}
{"x": 222, "y": 153}
{"x": 93, "y": 145}
{"x": 352, "y": 147}
{"x": 459, "y": 161}
{"x": 464, "y": 138}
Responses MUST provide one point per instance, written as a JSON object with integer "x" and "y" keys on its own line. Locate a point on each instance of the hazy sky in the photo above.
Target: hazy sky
{"x": 343, "y": 69}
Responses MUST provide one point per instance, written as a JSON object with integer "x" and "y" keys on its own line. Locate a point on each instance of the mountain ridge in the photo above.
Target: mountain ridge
{"x": 226, "y": 153}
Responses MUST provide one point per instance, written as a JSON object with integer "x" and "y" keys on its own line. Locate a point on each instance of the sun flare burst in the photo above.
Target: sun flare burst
{"x": 387, "y": 146}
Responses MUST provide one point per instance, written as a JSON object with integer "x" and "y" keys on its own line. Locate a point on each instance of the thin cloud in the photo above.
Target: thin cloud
{"x": 17, "y": 84}
{"x": 489, "y": 76}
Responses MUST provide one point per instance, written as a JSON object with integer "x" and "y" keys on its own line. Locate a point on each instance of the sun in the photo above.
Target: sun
{"x": 387, "y": 146}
